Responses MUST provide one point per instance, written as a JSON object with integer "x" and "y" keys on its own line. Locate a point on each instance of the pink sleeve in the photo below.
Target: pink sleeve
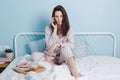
{"x": 50, "y": 38}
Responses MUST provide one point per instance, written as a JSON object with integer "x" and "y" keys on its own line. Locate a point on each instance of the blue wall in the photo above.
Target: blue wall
{"x": 33, "y": 15}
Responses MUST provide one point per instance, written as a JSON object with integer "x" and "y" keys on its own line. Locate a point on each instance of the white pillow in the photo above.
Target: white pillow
{"x": 37, "y": 46}
{"x": 80, "y": 48}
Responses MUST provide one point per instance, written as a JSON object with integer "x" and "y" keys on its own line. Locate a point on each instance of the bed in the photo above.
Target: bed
{"x": 95, "y": 54}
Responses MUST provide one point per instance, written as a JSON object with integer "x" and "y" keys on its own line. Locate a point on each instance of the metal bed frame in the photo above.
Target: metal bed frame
{"x": 76, "y": 33}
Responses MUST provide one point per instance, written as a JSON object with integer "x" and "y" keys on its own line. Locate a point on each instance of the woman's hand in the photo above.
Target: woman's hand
{"x": 53, "y": 47}
{"x": 51, "y": 50}
{"x": 54, "y": 24}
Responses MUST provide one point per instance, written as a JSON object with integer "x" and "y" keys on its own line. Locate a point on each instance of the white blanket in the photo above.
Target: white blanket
{"x": 91, "y": 67}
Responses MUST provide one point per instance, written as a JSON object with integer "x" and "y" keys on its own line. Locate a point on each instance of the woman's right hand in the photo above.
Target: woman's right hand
{"x": 54, "y": 25}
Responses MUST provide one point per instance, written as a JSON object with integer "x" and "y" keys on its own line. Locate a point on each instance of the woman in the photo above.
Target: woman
{"x": 60, "y": 40}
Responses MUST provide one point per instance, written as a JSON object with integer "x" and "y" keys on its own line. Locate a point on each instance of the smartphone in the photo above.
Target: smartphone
{"x": 55, "y": 22}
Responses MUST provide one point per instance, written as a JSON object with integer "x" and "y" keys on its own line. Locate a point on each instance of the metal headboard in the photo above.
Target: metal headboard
{"x": 76, "y": 34}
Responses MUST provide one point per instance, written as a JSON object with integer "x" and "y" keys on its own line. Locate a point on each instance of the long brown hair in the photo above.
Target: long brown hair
{"x": 65, "y": 22}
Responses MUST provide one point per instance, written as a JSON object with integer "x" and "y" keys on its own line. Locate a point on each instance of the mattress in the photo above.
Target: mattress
{"x": 91, "y": 68}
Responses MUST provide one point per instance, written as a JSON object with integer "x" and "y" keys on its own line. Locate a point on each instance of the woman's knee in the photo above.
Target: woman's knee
{"x": 66, "y": 53}
{"x": 66, "y": 49}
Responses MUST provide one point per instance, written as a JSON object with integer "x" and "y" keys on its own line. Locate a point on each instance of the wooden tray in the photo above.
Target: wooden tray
{"x": 26, "y": 70}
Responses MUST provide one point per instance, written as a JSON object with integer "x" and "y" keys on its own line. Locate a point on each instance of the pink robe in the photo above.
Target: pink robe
{"x": 67, "y": 44}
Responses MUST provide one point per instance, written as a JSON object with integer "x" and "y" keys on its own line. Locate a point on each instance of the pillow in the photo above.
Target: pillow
{"x": 80, "y": 48}
{"x": 37, "y": 45}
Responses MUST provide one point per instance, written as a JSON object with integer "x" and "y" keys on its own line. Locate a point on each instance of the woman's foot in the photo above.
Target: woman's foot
{"x": 77, "y": 75}
{"x": 82, "y": 78}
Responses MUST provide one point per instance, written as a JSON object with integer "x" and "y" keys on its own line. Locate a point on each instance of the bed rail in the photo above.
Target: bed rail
{"x": 76, "y": 34}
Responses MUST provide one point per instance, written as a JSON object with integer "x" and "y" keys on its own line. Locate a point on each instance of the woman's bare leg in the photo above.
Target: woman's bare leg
{"x": 72, "y": 67}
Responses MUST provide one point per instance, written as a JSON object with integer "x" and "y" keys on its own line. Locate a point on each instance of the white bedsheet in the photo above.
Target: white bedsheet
{"x": 91, "y": 67}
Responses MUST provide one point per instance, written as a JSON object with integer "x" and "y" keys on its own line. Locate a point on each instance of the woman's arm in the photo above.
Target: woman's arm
{"x": 51, "y": 39}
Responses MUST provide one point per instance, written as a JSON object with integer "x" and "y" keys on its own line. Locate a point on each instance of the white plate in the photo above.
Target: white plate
{"x": 2, "y": 62}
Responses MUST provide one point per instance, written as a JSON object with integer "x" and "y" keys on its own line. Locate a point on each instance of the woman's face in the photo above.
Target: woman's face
{"x": 58, "y": 17}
